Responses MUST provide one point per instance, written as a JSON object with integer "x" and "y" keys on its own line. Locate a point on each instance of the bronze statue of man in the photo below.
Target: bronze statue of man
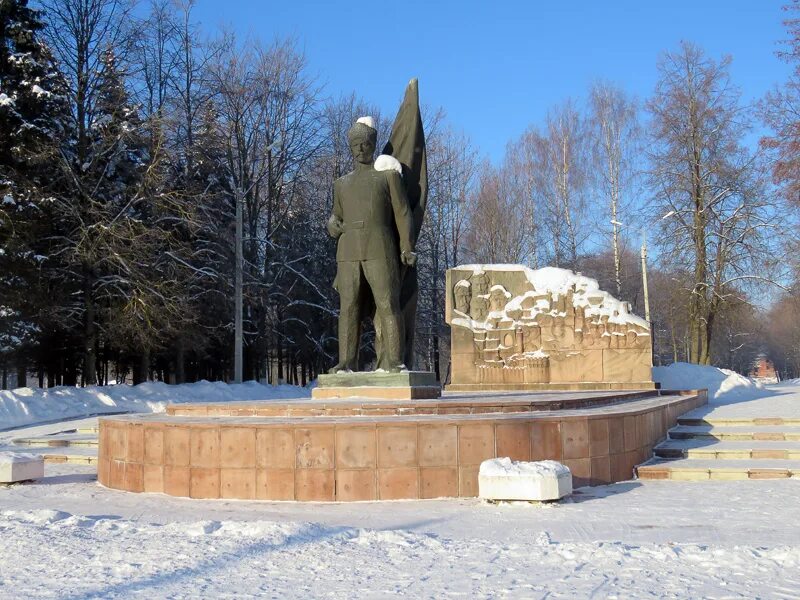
{"x": 371, "y": 216}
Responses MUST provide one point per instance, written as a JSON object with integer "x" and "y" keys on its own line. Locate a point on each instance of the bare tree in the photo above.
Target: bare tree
{"x": 780, "y": 110}
{"x": 155, "y": 51}
{"x": 550, "y": 168}
{"x": 568, "y": 162}
{"x": 523, "y": 164}
{"x": 452, "y": 169}
{"x": 616, "y": 148}
{"x": 498, "y": 231}
{"x": 80, "y": 32}
{"x": 783, "y": 334}
{"x": 723, "y": 222}
{"x": 267, "y": 105}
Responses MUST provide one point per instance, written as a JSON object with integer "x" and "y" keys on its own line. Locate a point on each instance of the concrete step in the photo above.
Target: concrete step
{"x": 60, "y": 440}
{"x": 739, "y": 421}
{"x": 753, "y": 432}
{"x": 70, "y": 458}
{"x": 703, "y": 470}
{"x": 84, "y": 455}
{"x": 711, "y": 449}
{"x": 76, "y": 456}
{"x": 95, "y": 429}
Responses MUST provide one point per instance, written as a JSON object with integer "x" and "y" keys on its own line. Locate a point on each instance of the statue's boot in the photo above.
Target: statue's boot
{"x": 348, "y": 343}
{"x": 390, "y": 354}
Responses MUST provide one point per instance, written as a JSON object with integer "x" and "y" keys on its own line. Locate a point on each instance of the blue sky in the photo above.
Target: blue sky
{"x": 497, "y": 66}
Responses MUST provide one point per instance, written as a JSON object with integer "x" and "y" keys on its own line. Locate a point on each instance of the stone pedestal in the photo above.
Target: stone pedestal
{"x": 406, "y": 385}
{"x": 15, "y": 466}
{"x": 376, "y": 449}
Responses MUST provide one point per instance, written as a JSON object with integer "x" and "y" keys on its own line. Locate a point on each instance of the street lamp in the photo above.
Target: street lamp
{"x": 645, "y": 288}
{"x": 238, "y": 330}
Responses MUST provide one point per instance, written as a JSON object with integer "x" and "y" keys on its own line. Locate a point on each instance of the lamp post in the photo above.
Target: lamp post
{"x": 618, "y": 224}
{"x": 238, "y": 338}
{"x": 644, "y": 280}
{"x": 645, "y": 287}
{"x": 238, "y": 333}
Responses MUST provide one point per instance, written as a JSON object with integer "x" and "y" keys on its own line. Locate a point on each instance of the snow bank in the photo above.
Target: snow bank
{"x": 724, "y": 386}
{"x": 27, "y": 406}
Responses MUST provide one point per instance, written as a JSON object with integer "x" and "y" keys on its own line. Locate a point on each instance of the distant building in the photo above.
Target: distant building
{"x": 763, "y": 370}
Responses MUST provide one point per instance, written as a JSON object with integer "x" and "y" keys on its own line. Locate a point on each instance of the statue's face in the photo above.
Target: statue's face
{"x": 363, "y": 150}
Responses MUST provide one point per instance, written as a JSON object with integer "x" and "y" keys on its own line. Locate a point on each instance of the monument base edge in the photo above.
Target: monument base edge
{"x": 543, "y": 387}
{"x": 420, "y": 392}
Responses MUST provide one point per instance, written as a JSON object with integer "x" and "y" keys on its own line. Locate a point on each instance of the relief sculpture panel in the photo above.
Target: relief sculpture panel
{"x": 520, "y": 328}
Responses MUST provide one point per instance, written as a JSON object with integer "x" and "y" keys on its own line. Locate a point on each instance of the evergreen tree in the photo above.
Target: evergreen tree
{"x": 34, "y": 121}
{"x": 208, "y": 254}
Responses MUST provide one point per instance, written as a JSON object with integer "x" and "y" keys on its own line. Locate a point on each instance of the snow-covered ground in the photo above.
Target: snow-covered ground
{"x": 26, "y": 406}
{"x": 736, "y": 539}
{"x": 67, "y": 537}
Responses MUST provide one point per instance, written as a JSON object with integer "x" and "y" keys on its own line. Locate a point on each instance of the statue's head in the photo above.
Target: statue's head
{"x": 362, "y": 138}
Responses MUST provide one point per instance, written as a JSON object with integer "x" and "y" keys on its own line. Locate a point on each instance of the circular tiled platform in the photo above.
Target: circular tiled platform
{"x": 348, "y": 450}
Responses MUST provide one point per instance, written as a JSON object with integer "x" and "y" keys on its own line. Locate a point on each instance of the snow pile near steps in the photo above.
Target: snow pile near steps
{"x": 724, "y": 386}
{"x": 28, "y": 406}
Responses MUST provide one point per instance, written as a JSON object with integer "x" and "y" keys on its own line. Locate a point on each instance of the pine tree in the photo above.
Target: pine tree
{"x": 137, "y": 263}
{"x": 34, "y": 121}
{"x": 208, "y": 254}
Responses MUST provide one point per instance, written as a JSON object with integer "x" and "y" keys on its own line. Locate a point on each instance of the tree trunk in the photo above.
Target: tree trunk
{"x": 22, "y": 376}
{"x": 89, "y": 332}
{"x": 61, "y": 377}
{"x": 180, "y": 361}
{"x": 142, "y": 369}
{"x": 69, "y": 371}
{"x": 674, "y": 342}
{"x": 280, "y": 361}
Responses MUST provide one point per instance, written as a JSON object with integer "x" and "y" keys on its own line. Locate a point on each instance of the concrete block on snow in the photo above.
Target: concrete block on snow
{"x": 504, "y": 479}
{"x": 17, "y": 466}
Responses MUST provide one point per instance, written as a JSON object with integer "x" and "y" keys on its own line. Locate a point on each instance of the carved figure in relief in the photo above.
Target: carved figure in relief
{"x": 480, "y": 284}
{"x": 479, "y": 301}
{"x": 462, "y": 293}
{"x": 498, "y": 297}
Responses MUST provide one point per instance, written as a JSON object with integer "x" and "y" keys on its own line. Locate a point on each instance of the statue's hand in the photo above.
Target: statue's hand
{"x": 408, "y": 258}
{"x": 335, "y": 226}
